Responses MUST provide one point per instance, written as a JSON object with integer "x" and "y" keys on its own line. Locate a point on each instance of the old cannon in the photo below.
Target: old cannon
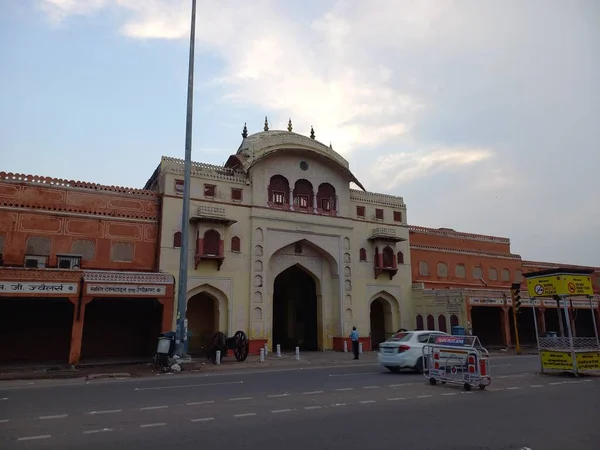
{"x": 238, "y": 343}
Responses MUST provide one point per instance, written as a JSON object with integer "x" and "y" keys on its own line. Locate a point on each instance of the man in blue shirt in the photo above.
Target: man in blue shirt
{"x": 354, "y": 339}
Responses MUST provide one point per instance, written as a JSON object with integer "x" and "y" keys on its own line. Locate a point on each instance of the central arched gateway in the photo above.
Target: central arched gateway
{"x": 295, "y": 310}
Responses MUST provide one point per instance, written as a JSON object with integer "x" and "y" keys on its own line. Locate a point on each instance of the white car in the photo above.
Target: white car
{"x": 404, "y": 350}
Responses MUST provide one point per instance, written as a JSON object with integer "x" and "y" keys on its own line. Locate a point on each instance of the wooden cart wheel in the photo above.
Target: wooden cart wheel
{"x": 242, "y": 346}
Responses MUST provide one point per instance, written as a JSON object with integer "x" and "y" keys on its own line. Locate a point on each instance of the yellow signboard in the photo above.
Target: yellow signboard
{"x": 588, "y": 361}
{"x": 560, "y": 284}
{"x": 556, "y": 360}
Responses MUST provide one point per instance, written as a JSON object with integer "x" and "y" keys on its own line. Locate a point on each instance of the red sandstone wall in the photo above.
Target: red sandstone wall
{"x": 67, "y": 210}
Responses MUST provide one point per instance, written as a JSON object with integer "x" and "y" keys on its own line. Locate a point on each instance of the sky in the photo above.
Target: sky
{"x": 483, "y": 115}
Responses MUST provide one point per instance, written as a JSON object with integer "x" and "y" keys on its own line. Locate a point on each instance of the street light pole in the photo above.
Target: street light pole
{"x": 185, "y": 212}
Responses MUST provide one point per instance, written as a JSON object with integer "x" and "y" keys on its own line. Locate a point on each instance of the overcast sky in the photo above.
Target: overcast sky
{"x": 483, "y": 115}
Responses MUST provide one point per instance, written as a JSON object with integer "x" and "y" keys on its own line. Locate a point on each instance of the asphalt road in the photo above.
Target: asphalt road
{"x": 350, "y": 408}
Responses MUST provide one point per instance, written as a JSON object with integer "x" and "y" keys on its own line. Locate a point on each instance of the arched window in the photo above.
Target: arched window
{"x": 453, "y": 320}
{"x": 388, "y": 257}
{"x": 477, "y": 273}
{"x": 38, "y": 246}
{"x": 423, "y": 268}
{"x": 430, "y": 322}
{"x": 212, "y": 239}
{"x": 326, "y": 198}
{"x": 493, "y": 274}
{"x": 121, "y": 252}
{"x": 177, "y": 239}
{"x": 460, "y": 271}
{"x": 236, "y": 244}
{"x": 400, "y": 258}
{"x": 83, "y": 247}
{"x": 303, "y": 195}
{"x": 442, "y": 270}
{"x": 279, "y": 190}
{"x": 442, "y": 323}
{"x": 363, "y": 254}
{"x": 419, "y": 322}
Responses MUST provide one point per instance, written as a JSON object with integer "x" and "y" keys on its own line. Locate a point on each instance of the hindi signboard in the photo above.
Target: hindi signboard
{"x": 126, "y": 289}
{"x": 37, "y": 287}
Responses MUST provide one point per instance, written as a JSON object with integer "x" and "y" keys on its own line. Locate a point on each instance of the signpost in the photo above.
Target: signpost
{"x": 565, "y": 353}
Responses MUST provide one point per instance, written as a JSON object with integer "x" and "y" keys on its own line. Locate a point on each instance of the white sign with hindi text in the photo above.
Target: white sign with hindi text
{"x": 124, "y": 289}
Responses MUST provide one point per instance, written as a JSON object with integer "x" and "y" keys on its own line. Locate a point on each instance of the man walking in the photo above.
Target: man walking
{"x": 354, "y": 339}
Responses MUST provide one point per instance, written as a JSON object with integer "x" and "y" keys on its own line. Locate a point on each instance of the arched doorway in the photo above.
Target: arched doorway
{"x": 203, "y": 322}
{"x": 377, "y": 319}
{"x": 295, "y": 311}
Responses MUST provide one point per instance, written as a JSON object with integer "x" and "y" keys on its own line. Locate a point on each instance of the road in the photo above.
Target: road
{"x": 326, "y": 408}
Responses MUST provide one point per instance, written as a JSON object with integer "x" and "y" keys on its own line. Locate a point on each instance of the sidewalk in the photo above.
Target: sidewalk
{"x": 229, "y": 364}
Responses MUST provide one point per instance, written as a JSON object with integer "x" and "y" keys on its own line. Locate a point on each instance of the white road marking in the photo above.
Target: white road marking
{"x": 244, "y": 415}
{"x": 203, "y": 419}
{"x": 150, "y": 408}
{"x": 573, "y": 382}
{"x": 150, "y": 425}
{"x": 424, "y": 396}
{"x": 4, "y": 398}
{"x": 556, "y": 383}
{"x": 466, "y": 392}
{"x": 339, "y": 404}
{"x": 450, "y": 393}
{"x": 312, "y": 392}
{"x": 4, "y": 420}
{"x": 401, "y": 384}
{"x": 513, "y": 388}
{"x": 367, "y": 401}
{"x": 103, "y": 430}
{"x": 199, "y": 403}
{"x": 277, "y": 411}
{"x": 108, "y": 411}
{"x": 345, "y": 389}
{"x": 278, "y": 395}
{"x": 537, "y": 385}
{"x": 371, "y": 387}
{"x": 56, "y": 416}
{"x": 236, "y": 399}
{"x": 312, "y": 407}
{"x": 187, "y": 386}
{"x": 31, "y": 438}
{"x": 585, "y": 381}
{"x": 353, "y": 374}
{"x": 396, "y": 398}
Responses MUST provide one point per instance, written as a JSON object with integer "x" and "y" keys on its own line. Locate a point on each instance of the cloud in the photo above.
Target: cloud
{"x": 402, "y": 168}
{"x": 504, "y": 92}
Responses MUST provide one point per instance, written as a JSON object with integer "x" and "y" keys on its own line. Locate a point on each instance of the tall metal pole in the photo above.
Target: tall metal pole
{"x": 185, "y": 212}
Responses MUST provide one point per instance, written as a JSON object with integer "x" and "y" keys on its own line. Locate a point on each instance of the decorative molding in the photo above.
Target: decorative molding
{"x": 377, "y": 199}
{"x": 223, "y": 284}
{"x": 281, "y": 262}
{"x": 373, "y": 289}
{"x": 203, "y": 170}
{"x": 465, "y": 252}
{"x": 57, "y": 275}
{"x": 11, "y": 177}
{"x": 457, "y": 234}
{"x": 128, "y": 277}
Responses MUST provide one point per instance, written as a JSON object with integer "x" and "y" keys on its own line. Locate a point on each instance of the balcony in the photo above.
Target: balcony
{"x": 385, "y": 234}
{"x": 209, "y": 248}
{"x": 385, "y": 262}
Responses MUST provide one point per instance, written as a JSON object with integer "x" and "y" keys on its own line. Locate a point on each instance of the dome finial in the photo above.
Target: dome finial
{"x": 330, "y": 146}
{"x": 245, "y": 131}
{"x": 312, "y": 132}
{"x": 290, "y": 125}
{"x": 266, "y": 128}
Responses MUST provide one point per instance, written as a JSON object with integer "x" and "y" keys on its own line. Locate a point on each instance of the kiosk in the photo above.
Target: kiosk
{"x": 457, "y": 360}
{"x": 565, "y": 353}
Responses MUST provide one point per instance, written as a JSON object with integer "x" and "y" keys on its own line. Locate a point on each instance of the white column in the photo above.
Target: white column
{"x": 315, "y": 203}
{"x": 291, "y": 199}
{"x": 337, "y": 206}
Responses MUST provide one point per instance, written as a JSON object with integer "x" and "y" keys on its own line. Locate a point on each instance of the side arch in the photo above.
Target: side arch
{"x": 384, "y": 317}
{"x": 221, "y": 300}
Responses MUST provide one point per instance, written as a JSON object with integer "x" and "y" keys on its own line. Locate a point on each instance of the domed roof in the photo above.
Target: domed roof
{"x": 264, "y": 144}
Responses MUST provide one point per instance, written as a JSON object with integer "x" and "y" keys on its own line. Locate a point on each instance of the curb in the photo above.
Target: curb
{"x": 99, "y": 376}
